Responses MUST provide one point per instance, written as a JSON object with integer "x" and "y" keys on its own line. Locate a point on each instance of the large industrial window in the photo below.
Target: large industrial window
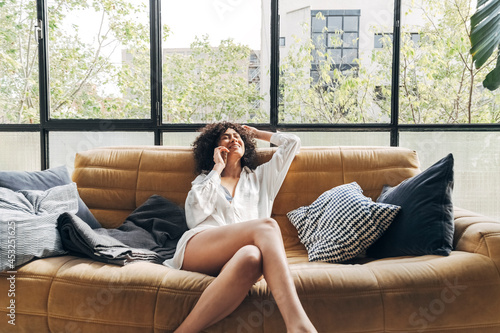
{"x": 79, "y": 74}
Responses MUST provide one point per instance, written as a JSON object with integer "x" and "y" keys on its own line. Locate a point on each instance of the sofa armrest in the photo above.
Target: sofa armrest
{"x": 477, "y": 233}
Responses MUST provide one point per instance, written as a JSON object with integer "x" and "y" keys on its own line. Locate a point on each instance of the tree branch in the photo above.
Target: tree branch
{"x": 407, "y": 92}
{"x": 91, "y": 69}
{"x": 471, "y": 90}
{"x": 27, "y": 70}
{"x": 464, "y": 20}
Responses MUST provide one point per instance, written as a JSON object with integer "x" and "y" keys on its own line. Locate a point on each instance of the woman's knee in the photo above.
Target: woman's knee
{"x": 269, "y": 224}
{"x": 250, "y": 261}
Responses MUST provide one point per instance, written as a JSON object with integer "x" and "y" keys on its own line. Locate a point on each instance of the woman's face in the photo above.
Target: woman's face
{"x": 232, "y": 141}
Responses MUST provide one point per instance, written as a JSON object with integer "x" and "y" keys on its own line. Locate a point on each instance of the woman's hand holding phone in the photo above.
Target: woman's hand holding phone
{"x": 220, "y": 158}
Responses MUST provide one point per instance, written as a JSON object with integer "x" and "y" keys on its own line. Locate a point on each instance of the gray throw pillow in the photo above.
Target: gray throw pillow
{"x": 28, "y": 223}
{"x": 43, "y": 180}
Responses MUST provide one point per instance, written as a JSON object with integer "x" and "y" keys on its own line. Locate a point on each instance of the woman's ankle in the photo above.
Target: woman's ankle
{"x": 303, "y": 328}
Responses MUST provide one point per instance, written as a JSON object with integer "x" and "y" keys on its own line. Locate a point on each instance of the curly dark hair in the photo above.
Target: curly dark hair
{"x": 207, "y": 141}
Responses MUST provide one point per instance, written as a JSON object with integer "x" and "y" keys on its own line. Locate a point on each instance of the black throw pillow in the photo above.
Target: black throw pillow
{"x": 156, "y": 225}
{"x": 43, "y": 180}
{"x": 425, "y": 224}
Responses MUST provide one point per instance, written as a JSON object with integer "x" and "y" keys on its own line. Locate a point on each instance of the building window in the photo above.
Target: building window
{"x": 335, "y": 35}
{"x": 381, "y": 40}
{"x": 282, "y": 41}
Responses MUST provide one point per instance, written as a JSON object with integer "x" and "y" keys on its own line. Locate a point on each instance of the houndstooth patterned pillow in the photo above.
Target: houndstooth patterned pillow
{"x": 341, "y": 223}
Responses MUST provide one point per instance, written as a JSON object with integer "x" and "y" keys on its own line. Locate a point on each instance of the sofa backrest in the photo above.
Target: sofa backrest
{"x": 113, "y": 181}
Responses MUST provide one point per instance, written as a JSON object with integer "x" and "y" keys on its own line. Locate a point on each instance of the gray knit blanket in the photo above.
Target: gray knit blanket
{"x": 150, "y": 233}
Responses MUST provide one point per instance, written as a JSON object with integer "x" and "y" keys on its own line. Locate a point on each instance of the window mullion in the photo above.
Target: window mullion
{"x": 43, "y": 80}
{"x": 156, "y": 70}
{"x": 395, "y": 74}
{"x": 274, "y": 66}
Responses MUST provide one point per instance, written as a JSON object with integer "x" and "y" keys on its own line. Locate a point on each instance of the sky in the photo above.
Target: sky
{"x": 220, "y": 19}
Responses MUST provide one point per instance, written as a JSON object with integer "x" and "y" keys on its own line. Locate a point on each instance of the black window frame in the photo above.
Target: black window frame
{"x": 155, "y": 124}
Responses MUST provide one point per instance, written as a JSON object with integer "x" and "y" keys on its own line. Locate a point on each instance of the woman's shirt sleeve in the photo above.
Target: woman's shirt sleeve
{"x": 201, "y": 199}
{"x": 273, "y": 173}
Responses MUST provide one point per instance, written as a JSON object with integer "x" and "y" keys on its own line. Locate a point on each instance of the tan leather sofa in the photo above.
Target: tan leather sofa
{"x": 458, "y": 293}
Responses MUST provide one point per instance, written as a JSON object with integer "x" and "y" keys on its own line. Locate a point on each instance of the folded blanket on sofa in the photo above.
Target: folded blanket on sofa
{"x": 150, "y": 233}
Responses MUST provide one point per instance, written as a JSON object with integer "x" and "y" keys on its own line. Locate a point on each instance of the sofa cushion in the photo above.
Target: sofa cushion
{"x": 341, "y": 223}
{"x": 28, "y": 220}
{"x": 43, "y": 180}
{"x": 425, "y": 224}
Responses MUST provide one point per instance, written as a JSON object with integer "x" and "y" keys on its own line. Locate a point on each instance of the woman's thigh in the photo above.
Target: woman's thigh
{"x": 208, "y": 251}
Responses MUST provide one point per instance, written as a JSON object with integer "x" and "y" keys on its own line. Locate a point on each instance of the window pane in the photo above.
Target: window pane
{"x": 216, "y": 58}
{"x": 437, "y": 85}
{"x": 344, "y": 138}
{"x": 477, "y": 161}
{"x": 318, "y": 25}
{"x": 350, "y": 39}
{"x": 349, "y": 56}
{"x": 20, "y": 151}
{"x": 335, "y": 40}
{"x": 319, "y": 40}
{"x": 415, "y": 37}
{"x": 63, "y": 146}
{"x": 334, "y": 23}
{"x": 19, "y": 96}
{"x": 314, "y": 76}
{"x": 344, "y": 88}
{"x": 382, "y": 40}
{"x": 183, "y": 139}
{"x": 99, "y": 59}
{"x": 351, "y": 23}
{"x": 336, "y": 55}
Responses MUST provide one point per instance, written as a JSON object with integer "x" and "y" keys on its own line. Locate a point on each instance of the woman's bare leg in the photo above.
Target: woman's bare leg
{"x": 237, "y": 277}
{"x": 210, "y": 250}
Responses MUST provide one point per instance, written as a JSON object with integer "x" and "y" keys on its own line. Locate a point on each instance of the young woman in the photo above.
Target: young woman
{"x": 231, "y": 233}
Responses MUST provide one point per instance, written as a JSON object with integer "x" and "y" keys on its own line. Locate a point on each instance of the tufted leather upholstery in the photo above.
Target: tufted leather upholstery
{"x": 458, "y": 293}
